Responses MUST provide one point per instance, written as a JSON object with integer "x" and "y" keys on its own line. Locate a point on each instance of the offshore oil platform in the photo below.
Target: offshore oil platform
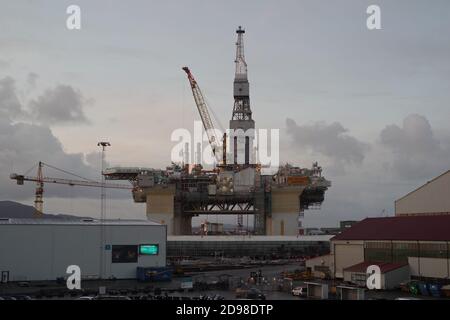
{"x": 237, "y": 183}
{"x": 277, "y": 201}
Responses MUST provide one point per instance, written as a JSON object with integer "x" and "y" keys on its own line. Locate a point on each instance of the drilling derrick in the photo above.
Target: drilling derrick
{"x": 242, "y": 114}
{"x": 241, "y": 141}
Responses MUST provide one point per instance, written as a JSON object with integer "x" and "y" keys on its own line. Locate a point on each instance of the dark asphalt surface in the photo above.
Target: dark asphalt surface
{"x": 270, "y": 274}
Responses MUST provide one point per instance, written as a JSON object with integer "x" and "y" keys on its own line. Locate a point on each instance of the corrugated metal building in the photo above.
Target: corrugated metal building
{"x": 420, "y": 241}
{"x": 247, "y": 245}
{"x": 42, "y": 249}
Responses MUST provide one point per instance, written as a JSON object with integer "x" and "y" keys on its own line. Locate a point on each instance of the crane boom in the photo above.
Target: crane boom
{"x": 20, "y": 178}
{"x": 204, "y": 114}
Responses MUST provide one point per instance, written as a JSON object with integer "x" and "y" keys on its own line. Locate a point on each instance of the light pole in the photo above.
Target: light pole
{"x": 103, "y": 145}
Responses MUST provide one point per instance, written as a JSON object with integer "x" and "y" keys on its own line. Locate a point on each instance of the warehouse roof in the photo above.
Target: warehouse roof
{"x": 423, "y": 228}
{"x": 384, "y": 266}
{"x": 45, "y": 221}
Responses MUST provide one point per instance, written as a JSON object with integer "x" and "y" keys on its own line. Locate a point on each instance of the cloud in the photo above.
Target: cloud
{"x": 10, "y": 105}
{"x": 60, "y": 105}
{"x": 23, "y": 144}
{"x": 402, "y": 158}
{"x": 416, "y": 152}
{"x": 329, "y": 140}
{"x": 32, "y": 79}
{"x": 94, "y": 160}
{"x": 4, "y": 64}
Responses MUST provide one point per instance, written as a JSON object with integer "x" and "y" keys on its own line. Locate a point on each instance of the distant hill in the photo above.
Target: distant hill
{"x": 11, "y": 209}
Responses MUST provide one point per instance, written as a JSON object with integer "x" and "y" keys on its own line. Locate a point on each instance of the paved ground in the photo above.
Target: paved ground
{"x": 134, "y": 288}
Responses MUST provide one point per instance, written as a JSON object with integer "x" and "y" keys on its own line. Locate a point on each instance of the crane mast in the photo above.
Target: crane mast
{"x": 204, "y": 114}
{"x": 39, "y": 193}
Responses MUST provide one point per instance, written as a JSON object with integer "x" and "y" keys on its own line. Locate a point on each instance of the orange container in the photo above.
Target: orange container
{"x": 298, "y": 180}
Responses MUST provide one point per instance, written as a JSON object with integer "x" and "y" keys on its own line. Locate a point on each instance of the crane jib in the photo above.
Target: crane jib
{"x": 202, "y": 108}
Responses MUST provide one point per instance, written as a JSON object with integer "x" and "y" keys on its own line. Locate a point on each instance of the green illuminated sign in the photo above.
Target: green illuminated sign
{"x": 148, "y": 249}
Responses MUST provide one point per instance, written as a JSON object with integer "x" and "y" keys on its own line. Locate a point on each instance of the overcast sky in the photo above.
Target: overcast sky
{"x": 371, "y": 106}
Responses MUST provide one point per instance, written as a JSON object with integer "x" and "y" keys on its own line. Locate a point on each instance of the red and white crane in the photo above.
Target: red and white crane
{"x": 204, "y": 115}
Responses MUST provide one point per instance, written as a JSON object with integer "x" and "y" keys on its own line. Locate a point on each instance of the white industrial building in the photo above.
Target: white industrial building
{"x": 391, "y": 276}
{"x": 415, "y": 243}
{"x": 431, "y": 198}
{"x": 42, "y": 249}
{"x": 421, "y": 242}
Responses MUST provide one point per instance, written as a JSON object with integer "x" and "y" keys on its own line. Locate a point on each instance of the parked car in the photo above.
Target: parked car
{"x": 85, "y": 298}
{"x": 22, "y": 297}
{"x": 104, "y": 297}
{"x": 241, "y": 293}
{"x": 299, "y": 291}
{"x": 255, "y": 294}
{"x": 8, "y": 298}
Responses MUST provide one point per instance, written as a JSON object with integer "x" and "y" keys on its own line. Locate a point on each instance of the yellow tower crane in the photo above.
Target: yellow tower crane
{"x": 40, "y": 179}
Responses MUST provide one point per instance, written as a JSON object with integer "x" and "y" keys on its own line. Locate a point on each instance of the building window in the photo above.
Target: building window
{"x": 433, "y": 250}
{"x": 124, "y": 254}
{"x": 402, "y": 250}
{"x": 359, "y": 278}
{"x": 377, "y": 255}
